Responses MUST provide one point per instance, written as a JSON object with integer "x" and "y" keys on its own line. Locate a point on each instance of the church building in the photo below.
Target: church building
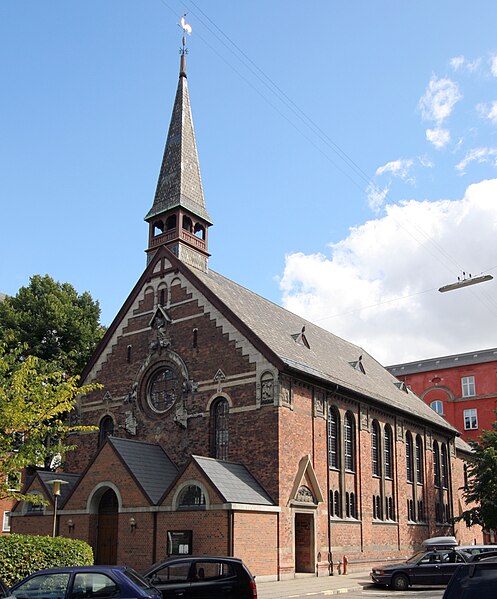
{"x": 228, "y": 425}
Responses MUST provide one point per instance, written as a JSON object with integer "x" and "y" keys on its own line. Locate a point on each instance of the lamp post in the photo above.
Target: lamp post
{"x": 56, "y": 484}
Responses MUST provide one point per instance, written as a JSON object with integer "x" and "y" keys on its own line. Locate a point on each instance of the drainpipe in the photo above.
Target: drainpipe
{"x": 154, "y": 537}
{"x": 231, "y": 540}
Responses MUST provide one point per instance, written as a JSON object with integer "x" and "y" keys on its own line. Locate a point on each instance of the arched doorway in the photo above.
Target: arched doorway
{"x": 107, "y": 527}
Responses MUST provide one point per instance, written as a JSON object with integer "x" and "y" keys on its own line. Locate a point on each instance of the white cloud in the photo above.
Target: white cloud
{"x": 493, "y": 65}
{"x": 438, "y": 137}
{"x": 398, "y": 168}
{"x": 457, "y": 62}
{"x": 488, "y": 111}
{"x": 480, "y": 155}
{"x": 376, "y": 196}
{"x": 439, "y": 99}
{"x": 355, "y": 291}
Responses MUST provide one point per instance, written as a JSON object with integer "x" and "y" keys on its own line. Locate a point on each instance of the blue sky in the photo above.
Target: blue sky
{"x": 348, "y": 154}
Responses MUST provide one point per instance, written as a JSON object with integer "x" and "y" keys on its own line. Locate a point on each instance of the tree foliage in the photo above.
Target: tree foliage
{"x": 34, "y": 407}
{"x": 481, "y": 491}
{"x": 51, "y": 321}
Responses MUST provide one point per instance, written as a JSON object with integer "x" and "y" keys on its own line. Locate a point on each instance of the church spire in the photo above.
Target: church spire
{"x": 179, "y": 217}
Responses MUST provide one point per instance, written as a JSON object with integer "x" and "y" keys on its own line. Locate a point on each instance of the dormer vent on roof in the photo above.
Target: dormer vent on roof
{"x": 301, "y": 339}
{"x": 402, "y": 386}
{"x": 358, "y": 365}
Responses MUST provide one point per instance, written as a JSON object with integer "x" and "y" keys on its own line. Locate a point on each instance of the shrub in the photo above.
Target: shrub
{"x": 21, "y": 555}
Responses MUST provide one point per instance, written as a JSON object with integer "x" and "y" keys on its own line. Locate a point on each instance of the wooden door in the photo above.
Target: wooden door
{"x": 107, "y": 529}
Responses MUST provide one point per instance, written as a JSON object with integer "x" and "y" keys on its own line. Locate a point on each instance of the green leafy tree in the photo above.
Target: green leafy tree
{"x": 51, "y": 321}
{"x": 481, "y": 490}
{"x": 34, "y": 407}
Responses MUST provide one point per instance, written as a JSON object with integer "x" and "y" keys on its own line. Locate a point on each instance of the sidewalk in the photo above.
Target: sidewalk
{"x": 328, "y": 585}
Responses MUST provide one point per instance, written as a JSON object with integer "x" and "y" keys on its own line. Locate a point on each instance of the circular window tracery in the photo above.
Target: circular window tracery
{"x": 163, "y": 389}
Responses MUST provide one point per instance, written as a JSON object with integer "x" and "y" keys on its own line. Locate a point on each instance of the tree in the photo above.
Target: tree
{"x": 34, "y": 406}
{"x": 51, "y": 321}
{"x": 481, "y": 490}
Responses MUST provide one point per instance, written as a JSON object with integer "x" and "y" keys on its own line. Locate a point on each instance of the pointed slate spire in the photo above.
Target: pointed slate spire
{"x": 180, "y": 183}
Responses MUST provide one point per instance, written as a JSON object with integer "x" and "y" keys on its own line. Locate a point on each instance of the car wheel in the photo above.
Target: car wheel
{"x": 400, "y": 582}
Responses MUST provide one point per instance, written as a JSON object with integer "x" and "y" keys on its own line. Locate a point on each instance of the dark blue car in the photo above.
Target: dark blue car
{"x": 85, "y": 582}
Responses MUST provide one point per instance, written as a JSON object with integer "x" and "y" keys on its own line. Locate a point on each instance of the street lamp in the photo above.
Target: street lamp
{"x": 56, "y": 484}
{"x": 466, "y": 281}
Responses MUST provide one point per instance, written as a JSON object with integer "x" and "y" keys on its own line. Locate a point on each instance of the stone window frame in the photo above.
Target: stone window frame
{"x": 375, "y": 449}
{"x": 104, "y": 430}
{"x": 182, "y": 489}
{"x": 333, "y": 436}
{"x": 219, "y": 442}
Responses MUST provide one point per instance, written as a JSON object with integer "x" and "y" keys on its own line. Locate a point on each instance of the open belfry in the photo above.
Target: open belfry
{"x": 230, "y": 426}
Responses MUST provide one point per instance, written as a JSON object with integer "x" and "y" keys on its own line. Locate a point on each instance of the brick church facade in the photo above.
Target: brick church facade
{"x": 228, "y": 425}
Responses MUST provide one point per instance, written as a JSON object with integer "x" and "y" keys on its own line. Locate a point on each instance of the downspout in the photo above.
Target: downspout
{"x": 330, "y": 554}
{"x": 231, "y": 540}
{"x": 154, "y": 537}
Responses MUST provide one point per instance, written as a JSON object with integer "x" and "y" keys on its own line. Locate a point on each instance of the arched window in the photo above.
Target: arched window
{"x": 163, "y": 389}
{"x": 349, "y": 442}
{"x": 199, "y": 231}
{"x": 409, "y": 458}
{"x": 105, "y": 429}
{"x": 438, "y": 406}
{"x": 336, "y": 504}
{"x": 158, "y": 228}
{"x": 444, "y": 467}
{"x": 191, "y": 497}
{"x": 352, "y": 509}
{"x": 171, "y": 222}
{"x": 375, "y": 448}
{"x": 32, "y": 507}
{"x": 219, "y": 420}
{"x": 436, "y": 464}
{"x": 187, "y": 224}
{"x": 419, "y": 460}
{"x": 333, "y": 439}
{"x": 388, "y": 452}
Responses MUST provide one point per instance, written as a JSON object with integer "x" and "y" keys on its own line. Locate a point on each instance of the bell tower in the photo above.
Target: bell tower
{"x": 178, "y": 218}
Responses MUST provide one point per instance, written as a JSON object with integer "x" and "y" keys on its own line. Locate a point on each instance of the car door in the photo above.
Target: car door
{"x": 48, "y": 585}
{"x": 450, "y": 560}
{"x": 215, "y": 579}
{"x": 173, "y": 580}
{"x": 428, "y": 570}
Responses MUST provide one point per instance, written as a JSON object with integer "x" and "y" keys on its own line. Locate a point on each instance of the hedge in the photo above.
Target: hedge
{"x": 21, "y": 555}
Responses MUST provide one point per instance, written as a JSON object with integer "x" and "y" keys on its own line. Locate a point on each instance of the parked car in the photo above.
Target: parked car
{"x": 4, "y": 591}
{"x": 477, "y": 579}
{"x": 434, "y": 566}
{"x": 85, "y": 582}
{"x": 475, "y": 549}
{"x": 202, "y": 576}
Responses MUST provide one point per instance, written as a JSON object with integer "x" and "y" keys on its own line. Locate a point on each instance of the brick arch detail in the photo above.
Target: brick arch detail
{"x": 215, "y": 396}
{"x": 437, "y": 388}
{"x": 187, "y": 483}
{"x": 96, "y": 494}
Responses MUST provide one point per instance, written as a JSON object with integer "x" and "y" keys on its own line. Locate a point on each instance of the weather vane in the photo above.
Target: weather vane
{"x": 186, "y": 29}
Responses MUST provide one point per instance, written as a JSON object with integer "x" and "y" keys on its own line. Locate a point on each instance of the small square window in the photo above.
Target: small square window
{"x": 470, "y": 419}
{"x": 468, "y": 386}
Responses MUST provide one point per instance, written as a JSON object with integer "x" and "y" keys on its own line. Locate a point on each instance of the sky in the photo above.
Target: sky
{"x": 348, "y": 152}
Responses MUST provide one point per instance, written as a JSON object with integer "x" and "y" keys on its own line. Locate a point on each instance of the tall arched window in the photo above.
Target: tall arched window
{"x": 388, "y": 452}
{"x": 349, "y": 442}
{"x": 105, "y": 429}
{"x": 375, "y": 448}
{"x": 219, "y": 423}
{"x": 419, "y": 460}
{"x": 436, "y": 464}
{"x": 444, "y": 468}
{"x": 333, "y": 439}
{"x": 409, "y": 457}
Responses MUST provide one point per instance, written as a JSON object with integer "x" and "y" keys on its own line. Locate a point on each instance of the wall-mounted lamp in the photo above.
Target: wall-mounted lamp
{"x": 70, "y": 525}
{"x": 132, "y": 523}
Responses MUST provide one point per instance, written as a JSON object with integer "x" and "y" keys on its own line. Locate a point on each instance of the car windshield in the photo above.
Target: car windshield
{"x": 137, "y": 579}
{"x": 416, "y": 557}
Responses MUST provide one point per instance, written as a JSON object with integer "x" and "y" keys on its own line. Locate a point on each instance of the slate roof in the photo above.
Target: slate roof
{"x": 148, "y": 463}
{"x": 453, "y": 361}
{"x": 65, "y": 490}
{"x": 233, "y": 481}
{"x": 180, "y": 183}
{"x": 461, "y": 445}
{"x": 328, "y": 357}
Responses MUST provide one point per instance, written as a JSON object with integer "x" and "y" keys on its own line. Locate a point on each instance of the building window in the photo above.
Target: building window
{"x": 349, "y": 442}
{"x": 390, "y": 509}
{"x": 220, "y": 436}
{"x": 350, "y": 508}
{"x": 333, "y": 440}
{"x": 468, "y": 386}
{"x": 470, "y": 419}
{"x": 436, "y": 465}
{"x": 34, "y": 508}
{"x": 6, "y": 522}
{"x": 191, "y": 497}
{"x": 375, "y": 448}
{"x": 438, "y": 406}
{"x": 409, "y": 457}
{"x": 421, "y": 511}
{"x": 377, "y": 515}
{"x": 388, "y": 452}
{"x": 410, "y": 511}
{"x": 106, "y": 429}
{"x": 163, "y": 389}
{"x": 336, "y": 505}
{"x": 419, "y": 461}
{"x": 444, "y": 468}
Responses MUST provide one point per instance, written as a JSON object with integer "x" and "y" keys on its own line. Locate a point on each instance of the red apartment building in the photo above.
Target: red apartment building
{"x": 461, "y": 387}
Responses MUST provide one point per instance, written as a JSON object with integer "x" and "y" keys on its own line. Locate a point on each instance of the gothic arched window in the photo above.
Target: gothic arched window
{"x": 333, "y": 439}
{"x": 105, "y": 429}
{"x": 349, "y": 442}
{"x": 388, "y": 452}
{"x": 219, "y": 423}
{"x": 409, "y": 459}
{"x": 444, "y": 468}
{"x": 375, "y": 448}
{"x": 436, "y": 464}
{"x": 419, "y": 460}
